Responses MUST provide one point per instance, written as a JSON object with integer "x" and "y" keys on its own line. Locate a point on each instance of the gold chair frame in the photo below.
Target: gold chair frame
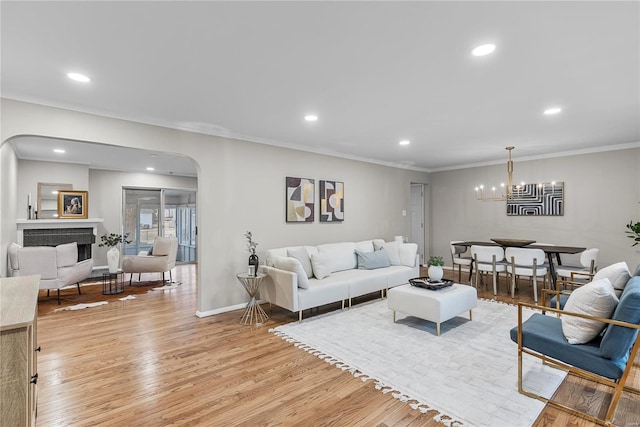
{"x": 618, "y": 386}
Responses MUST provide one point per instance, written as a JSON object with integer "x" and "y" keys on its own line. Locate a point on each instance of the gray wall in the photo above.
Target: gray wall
{"x": 241, "y": 186}
{"x": 602, "y": 194}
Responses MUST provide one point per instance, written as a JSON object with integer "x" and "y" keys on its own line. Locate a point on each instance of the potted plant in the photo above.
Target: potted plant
{"x": 112, "y": 240}
{"x": 634, "y": 232}
{"x": 435, "y": 264}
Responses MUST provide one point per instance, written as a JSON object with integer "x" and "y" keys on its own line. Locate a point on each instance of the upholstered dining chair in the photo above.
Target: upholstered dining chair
{"x": 460, "y": 258}
{"x": 588, "y": 263}
{"x": 161, "y": 259}
{"x": 527, "y": 262}
{"x": 488, "y": 260}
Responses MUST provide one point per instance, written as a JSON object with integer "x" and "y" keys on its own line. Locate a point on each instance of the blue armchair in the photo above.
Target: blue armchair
{"x": 607, "y": 359}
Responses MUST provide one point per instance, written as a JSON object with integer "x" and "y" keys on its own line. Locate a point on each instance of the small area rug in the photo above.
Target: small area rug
{"x": 468, "y": 373}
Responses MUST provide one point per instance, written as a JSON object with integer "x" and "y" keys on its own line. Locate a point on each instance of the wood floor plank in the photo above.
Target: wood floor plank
{"x": 150, "y": 361}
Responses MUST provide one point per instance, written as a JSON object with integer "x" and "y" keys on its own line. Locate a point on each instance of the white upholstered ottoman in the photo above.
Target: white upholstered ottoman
{"x": 435, "y": 306}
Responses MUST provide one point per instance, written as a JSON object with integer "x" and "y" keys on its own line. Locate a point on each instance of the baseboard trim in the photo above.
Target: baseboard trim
{"x": 224, "y": 309}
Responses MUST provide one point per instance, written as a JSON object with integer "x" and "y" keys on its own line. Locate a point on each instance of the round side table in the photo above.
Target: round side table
{"x": 254, "y": 314}
{"x": 113, "y": 283}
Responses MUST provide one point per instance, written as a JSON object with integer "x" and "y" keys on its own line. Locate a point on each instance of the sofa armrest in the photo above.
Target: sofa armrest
{"x": 73, "y": 274}
{"x": 280, "y": 287}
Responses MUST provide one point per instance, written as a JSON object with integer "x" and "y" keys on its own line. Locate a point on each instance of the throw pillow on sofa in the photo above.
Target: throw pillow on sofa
{"x": 372, "y": 260}
{"x": 596, "y": 298}
{"x": 618, "y": 274}
{"x": 321, "y": 265}
{"x": 293, "y": 265}
{"x": 302, "y": 255}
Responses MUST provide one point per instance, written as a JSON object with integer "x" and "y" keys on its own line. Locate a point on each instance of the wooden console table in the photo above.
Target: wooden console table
{"x": 18, "y": 350}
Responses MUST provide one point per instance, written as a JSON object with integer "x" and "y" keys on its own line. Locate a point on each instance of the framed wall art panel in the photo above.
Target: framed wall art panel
{"x": 300, "y": 196}
{"x": 537, "y": 200}
{"x": 331, "y": 201}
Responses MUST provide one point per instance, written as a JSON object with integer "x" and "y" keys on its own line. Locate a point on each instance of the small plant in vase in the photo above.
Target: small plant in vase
{"x": 112, "y": 240}
{"x": 253, "y": 258}
{"x": 435, "y": 264}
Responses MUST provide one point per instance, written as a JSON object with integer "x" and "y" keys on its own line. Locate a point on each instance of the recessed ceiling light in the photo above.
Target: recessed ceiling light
{"x": 150, "y": 168}
{"x": 79, "y": 77}
{"x": 311, "y": 118}
{"x": 551, "y": 111}
{"x": 59, "y": 150}
{"x": 483, "y": 49}
{"x": 405, "y": 142}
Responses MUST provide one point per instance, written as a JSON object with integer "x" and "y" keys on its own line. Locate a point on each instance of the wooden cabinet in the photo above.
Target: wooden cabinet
{"x": 18, "y": 350}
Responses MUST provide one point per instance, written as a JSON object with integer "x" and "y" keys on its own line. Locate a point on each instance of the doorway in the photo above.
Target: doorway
{"x": 417, "y": 218}
{"x": 151, "y": 212}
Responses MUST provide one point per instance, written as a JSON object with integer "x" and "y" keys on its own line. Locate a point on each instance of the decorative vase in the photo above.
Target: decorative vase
{"x": 435, "y": 272}
{"x": 113, "y": 259}
{"x": 253, "y": 265}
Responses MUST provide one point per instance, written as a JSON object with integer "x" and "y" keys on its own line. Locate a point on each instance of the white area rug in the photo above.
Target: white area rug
{"x": 82, "y": 306}
{"x": 468, "y": 373}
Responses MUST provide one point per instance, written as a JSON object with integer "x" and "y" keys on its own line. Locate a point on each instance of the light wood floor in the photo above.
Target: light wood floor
{"x": 151, "y": 362}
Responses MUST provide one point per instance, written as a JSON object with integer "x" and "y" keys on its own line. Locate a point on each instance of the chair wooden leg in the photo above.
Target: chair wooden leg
{"x": 58, "y": 296}
{"x": 79, "y": 293}
{"x": 48, "y": 292}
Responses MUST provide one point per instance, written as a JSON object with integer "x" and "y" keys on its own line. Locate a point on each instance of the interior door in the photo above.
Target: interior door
{"x": 417, "y": 218}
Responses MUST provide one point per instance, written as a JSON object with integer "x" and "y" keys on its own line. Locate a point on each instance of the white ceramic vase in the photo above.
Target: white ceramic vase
{"x": 435, "y": 272}
{"x": 113, "y": 259}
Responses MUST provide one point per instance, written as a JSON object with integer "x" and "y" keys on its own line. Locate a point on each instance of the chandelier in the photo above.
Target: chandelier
{"x": 508, "y": 191}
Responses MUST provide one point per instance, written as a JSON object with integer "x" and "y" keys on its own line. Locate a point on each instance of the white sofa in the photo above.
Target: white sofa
{"x": 57, "y": 267}
{"x": 303, "y": 277}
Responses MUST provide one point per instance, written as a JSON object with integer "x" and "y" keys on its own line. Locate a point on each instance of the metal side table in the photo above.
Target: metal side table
{"x": 253, "y": 314}
{"x": 113, "y": 283}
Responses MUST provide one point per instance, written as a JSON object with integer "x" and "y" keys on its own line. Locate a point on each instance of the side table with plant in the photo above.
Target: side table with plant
{"x": 112, "y": 240}
{"x": 435, "y": 271}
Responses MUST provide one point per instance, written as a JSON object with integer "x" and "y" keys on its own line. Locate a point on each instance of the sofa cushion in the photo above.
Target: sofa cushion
{"x": 617, "y": 340}
{"x": 393, "y": 250}
{"x": 339, "y": 256}
{"x": 301, "y": 254}
{"x": 408, "y": 253}
{"x": 161, "y": 247}
{"x": 321, "y": 265}
{"x": 596, "y": 298}
{"x": 618, "y": 274}
{"x": 67, "y": 254}
{"x": 293, "y": 265}
{"x": 365, "y": 246}
{"x": 372, "y": 260}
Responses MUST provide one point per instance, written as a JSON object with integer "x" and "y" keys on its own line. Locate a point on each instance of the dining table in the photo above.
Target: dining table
{"x": 549, "y": 250}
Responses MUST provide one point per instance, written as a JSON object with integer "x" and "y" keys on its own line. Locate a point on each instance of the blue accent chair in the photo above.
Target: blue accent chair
{"x": 607, "y": 359}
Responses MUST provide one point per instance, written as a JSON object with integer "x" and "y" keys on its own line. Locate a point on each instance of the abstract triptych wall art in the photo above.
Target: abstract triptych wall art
{"x": 331, "y": 201}
{"x": 537, "y": 200}
{"x": 300, "y": 199}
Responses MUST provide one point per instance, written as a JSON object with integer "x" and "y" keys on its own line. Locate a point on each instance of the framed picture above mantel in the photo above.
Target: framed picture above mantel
{"x": 73, "y": 204}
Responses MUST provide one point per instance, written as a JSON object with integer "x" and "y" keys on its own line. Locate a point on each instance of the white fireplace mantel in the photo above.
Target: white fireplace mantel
{"x": 40, "y": 224}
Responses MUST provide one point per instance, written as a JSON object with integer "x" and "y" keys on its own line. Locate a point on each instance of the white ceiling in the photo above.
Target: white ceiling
{"x": 374, "y": 72}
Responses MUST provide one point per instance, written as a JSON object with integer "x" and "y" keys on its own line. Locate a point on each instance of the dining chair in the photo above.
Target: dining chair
{"x": 587, "y": 263}
{"x": 458, "y": 258}
{"x": 527, "y": 262}
{"x": 488, "y": 259}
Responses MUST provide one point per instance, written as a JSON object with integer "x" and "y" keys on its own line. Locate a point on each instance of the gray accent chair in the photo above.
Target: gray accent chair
{"x": 160, "y": 259}
{"x": 58, "y": 267}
